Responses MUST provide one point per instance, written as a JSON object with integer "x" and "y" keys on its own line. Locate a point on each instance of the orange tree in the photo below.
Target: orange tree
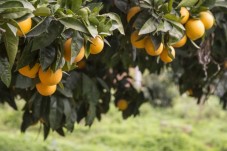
{"x": 68, "y": 59}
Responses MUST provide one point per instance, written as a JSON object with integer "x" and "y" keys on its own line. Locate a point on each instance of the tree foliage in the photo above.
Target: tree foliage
{"x": 88, "y": 87}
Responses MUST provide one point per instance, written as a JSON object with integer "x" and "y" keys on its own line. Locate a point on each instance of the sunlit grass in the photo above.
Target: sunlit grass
{"x": 185, "y": 127}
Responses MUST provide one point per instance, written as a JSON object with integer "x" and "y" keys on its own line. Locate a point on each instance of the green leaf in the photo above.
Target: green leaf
{"x": 92, "y": 30}
{"x": 177, "y": 24}
{"x": 42, "y": 11}
{"x": 74, "y": 24}
{"x": 47, "y": 56}
{"x": 5, "y": 71}
{"x": 91, "y": 93}
{"x": 76, "y": 45}
{"x": 14, "y": 13}
{"x": 11, "y": 43}
{"x": 187, "y": 3}
{"x": 75, "y": 4}
{"x": 221, "y": 4}
{"x": 23, "y": 82}
{"x": 40, "y": 28}
{"x": 149, "y": 26}
{"x": 116, "y": 18}
{"x": 45, "y": 39}
{"x": 27, "y": 56}
{"x": 175, "y": 34}
{"x": 56, "y": 112}
{"x": 172, "y": 17}
{"x": 170, "y": 5}
{"x": 10, "y": 4}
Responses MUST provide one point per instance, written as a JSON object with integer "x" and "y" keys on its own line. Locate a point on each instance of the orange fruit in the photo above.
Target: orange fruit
{"x": 50, "y": 77}
{"x": 184, "y": 13}
{"x": 97, "y": 45}
{"x": 164, "y": 56}
{"x": 122, "y": 104}
{"x": 67, "y": 51}
{"x": 29, "y": 72}
{"x": 136, "y": 41}
{"x": 194, "y": 29}
{"x": 207, "y": 18}
{"x": 46, "y": 90}
{"x": 181, "y": 42}
{"x": 81, "y": 64}
{"x": 150, "y": 49}
{"x": 190, "y": 92}
{"x": 132, "y": 12}
{"x": 25, "y": 26}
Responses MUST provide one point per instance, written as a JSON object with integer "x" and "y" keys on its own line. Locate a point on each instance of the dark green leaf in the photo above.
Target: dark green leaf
{"x": 56, "y": 112}
{"x": 5, "y": 71}
{"x": 23, "y": 82}
{"x": 11, "y": 43}
{"x": 45, "y": 39}
{"x": 47, "y": 56}
{"x": 40, "y": 28}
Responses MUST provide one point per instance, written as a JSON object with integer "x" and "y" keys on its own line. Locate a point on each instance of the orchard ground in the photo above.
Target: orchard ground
{"x": 184, "y": 127}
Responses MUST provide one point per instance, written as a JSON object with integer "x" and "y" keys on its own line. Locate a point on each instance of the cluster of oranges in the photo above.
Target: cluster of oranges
{"x": 194, "y": 29}
{"x": 146, "y": 42}
{"x": 48, "y": 79}
{"x": 96, "y": 47}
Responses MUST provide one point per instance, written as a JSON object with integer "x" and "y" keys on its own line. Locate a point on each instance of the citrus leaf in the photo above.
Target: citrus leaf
{"x": 11, "y": 43}
{"x": 14, "y": 13}
{"x": 47, "y": 56}
{"x": 27, "y": 56}
{"x": 149, "y": 26}
{"x": 116, "y": 18}
{"x": 187, "y": 3}
{"x": 10, "y": 4}
{"x": 74, "y": 24}
{"x": 42, "y": 11}
{"x": 75, "y": 4}
{"x": 177, "y": 24}
{"x": 56, "y": 112}
{"x": 5, "y": 71}
{"x": 45, "y": 39}
{"x": 40, "y": 28}
{"x": 23, "y": 82}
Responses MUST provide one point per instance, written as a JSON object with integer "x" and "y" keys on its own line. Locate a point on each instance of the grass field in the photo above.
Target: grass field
{"x": 185, "y": 127}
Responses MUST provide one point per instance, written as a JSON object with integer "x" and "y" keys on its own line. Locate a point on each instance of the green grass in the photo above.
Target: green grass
{"x": 185, "y": 127}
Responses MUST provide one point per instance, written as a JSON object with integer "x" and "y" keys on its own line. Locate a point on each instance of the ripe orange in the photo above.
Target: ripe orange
{"x": 67, "y": 51}
{"x": 135, "y": 40}
{"x": 181, "y": 42}
{"x": 97, "y": 45}
{"x": 122, "y": 104}
{"x": 25, "y": 26}
{"x": 132, "y": 12}
{"x": 194, "y": 29}
{"x": 184, "y": 13}
{"x": 207, "y": 18}
{"x": 45, "y": 90}
{"x": 29, "y": 72}
{"x": 49, "y": 77}
{"x": 164, "y": 56}
{"x": 150, "y": 49}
